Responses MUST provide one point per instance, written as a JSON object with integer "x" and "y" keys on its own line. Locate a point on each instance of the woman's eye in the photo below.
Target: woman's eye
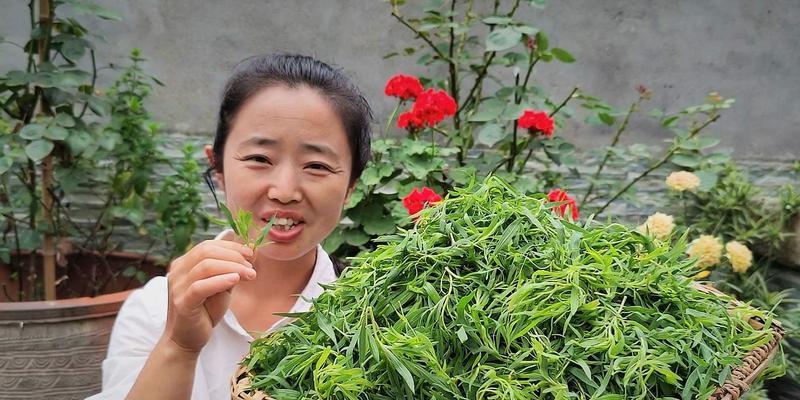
{"x": 320, "y": 167}
{"x": 257, "y": 158}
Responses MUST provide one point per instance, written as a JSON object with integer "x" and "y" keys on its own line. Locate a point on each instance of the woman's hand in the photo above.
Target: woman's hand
{"x": 199, "y": 285}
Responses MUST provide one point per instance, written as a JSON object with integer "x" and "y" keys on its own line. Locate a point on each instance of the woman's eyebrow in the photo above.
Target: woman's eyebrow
{"x": 318, "y": 148}
{"x": 259, "y": 141}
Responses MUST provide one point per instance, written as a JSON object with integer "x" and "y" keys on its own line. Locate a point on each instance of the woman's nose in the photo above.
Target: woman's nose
{"x": 285, "y": 185}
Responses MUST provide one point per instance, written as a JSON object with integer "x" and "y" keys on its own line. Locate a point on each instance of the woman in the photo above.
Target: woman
{"x": 292, "y": 140}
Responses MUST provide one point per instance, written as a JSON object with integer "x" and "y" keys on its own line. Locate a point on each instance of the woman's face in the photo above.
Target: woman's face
{"x": 287, "y": 156}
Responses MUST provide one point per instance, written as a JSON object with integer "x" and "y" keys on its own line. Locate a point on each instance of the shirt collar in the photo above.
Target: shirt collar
{"x": 323, "y": 274}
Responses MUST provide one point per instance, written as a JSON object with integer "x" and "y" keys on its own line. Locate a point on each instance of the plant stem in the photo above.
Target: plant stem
{"x": 48, "y": 245}
{"x": 453, "y": 65}
{"x": 614, "y": 141}
{"x": 517, "y": 100}
{"x": 94, "y": 81}
{"x": 658, "y": 164}
{"x": 552, "y": 114}
{"x": 421, "y": 35}
{"x": 391, "y": 118}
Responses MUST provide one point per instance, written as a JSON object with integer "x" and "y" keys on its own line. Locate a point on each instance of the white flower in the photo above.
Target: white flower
{"x": 739, "y": 255}
{"x": 707, "y": 250}
{"x": 683, "y": 180}
{"x": 658, "y": 225}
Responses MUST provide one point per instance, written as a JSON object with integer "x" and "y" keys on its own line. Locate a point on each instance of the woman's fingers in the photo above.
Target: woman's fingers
{"x": 214, "y": 249}
{"x": 211, "y": 267}
{"x": 202, "y": 289}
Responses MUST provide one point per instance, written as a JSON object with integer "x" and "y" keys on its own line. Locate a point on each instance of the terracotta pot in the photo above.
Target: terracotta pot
{"x": 54, "y": 349}
{"x": 80, "y": 275}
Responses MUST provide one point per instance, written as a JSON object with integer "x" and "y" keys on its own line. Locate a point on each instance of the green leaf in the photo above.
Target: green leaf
{"x": 685, "y": 160}
{"x": 606, "y": 118}
{"x": 333, "y": 241}
{"x": 229, "y": 217}
{"x": 56, "y": 133}
{"x": 562, "y": 55}
{"x": 32, "y": 131}
{"x": 513, "y": 111}
{"x": 74, "y": 49}
{"x": 542, "y": 43}
{"x": 355, "y": 237}
{"x": 502, "y": 39}
{"x": 79, "y": 141}
{"x": 5, "y": 164}
{"x": 379, "y": 226}
{"x": 489, "y": 110}
{"x": 490, "y": 135}
{"x": 708, "y": 180}
{"x": 38, "y": 149}
{"x": 526, "y": 30}
{"x": 64, "y": 120}
{"x": 264, "y": 232}
{"x": 497, "y": 20}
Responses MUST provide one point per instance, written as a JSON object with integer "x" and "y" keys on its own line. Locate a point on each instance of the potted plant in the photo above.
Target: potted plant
{"x": 77, "y": 173}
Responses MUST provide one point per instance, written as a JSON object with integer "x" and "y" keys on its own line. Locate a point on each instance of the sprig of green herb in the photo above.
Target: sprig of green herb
{"x": 242, "y": 225}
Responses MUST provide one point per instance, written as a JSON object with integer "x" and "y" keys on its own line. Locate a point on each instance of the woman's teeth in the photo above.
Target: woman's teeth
{"x": 284, "y": 223}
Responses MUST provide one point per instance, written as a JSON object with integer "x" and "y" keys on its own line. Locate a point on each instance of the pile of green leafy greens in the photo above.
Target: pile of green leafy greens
{"x": 492, "y": 296}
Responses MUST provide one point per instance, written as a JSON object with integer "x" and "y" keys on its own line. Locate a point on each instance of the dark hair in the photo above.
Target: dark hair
{"x": 259, "y": 72}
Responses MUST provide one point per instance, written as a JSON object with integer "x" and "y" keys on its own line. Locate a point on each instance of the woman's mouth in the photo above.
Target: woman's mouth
{"x": 284, "y": 229}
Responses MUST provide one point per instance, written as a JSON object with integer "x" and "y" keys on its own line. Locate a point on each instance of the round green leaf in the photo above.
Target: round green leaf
{"x": 38, "y": 149}
{"x": 503, "y": 39}
{"x": 489, "y": 110}
{"x": 74, "y": 49}
{"x": 56, "y": 133}
{"x": 355, "y": 237}
{"x": 32, "y": 131}
{"x": 491, "y": 134}
{"x": 379, "y": 226}
{"x": 685, "y": 160}
{"x": 5, "y": 164}
{"x": 64, "y": 120}
{"x": 79, "y": 141}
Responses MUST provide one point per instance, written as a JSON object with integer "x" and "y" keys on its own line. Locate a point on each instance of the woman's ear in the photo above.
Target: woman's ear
{"x": 350, "y": 191}
{"x": 212, "y": 162}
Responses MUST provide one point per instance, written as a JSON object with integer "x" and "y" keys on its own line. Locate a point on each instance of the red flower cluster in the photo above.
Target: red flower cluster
{"x": 432, "y": 106}
{"x": 537, "y": 121}
{"x": 403, "y": 86}
{"x": 415, "y": 201}
{"x": 560, "y": 196}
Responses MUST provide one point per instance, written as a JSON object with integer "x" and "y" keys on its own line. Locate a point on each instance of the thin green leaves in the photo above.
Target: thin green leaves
{"x": 491, "y": 296}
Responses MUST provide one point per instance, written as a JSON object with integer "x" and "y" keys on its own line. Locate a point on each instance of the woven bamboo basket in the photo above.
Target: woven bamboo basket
{"x": 742, "y": 376}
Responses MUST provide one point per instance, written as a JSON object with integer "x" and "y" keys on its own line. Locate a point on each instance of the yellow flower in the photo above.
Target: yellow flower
{"x": 739, "y": 255}
{"x": 707, "y": 249}
{"x": 658, "y": 225}
{"x": 702, "y": 274}
{"x": 682, "y": 180}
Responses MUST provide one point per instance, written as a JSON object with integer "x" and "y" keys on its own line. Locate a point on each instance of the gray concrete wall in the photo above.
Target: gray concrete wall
{"x": 681, "y": 49}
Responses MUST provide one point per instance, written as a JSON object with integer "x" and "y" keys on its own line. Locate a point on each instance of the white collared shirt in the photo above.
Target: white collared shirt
{"x": 141, "y": 322}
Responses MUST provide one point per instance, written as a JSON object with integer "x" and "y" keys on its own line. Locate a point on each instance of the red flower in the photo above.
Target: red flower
{"x": 560, "y": 196}
{"x": 403, "y": 86}
{"x": 409, "y": 120}
{"x": 432, "y": 106}
{"x": 415, "y": 201}
{"x": 537, "y": 121}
